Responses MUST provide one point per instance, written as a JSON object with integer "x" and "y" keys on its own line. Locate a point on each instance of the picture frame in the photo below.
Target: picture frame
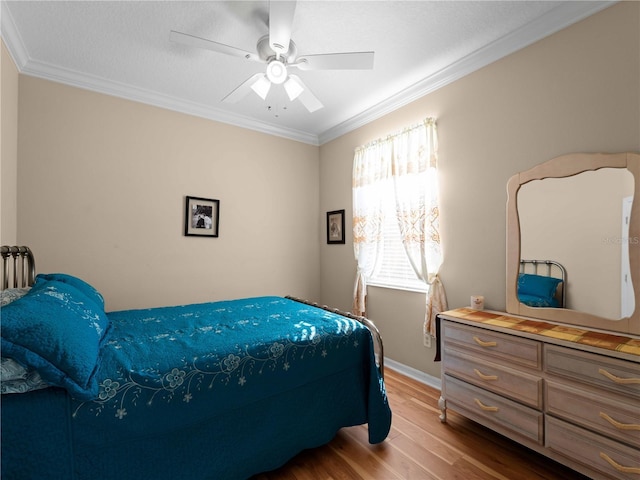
{"x": 202, "y": 217}
{"x": 335, "y": 227}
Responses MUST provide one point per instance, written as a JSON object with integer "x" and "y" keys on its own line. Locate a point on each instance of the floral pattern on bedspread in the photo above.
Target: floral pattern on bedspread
{"x": 253, "y": 344}
{"x": 220, "y": 390}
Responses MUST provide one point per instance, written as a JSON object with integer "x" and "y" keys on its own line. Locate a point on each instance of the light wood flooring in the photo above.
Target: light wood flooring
{"x": 420, "y": 447}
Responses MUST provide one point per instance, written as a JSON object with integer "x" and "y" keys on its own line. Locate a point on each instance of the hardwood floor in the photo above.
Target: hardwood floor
{"x": 420, "y": 447}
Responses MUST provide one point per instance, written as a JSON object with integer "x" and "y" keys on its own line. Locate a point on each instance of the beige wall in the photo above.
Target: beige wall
{"x": 576, "y": 91}
{"x": 101, "y": 195}
{"x": 102, "y": 182}
{"x": 8, "y": 148}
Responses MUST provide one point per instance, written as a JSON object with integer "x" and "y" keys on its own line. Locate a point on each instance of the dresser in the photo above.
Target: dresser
{"x": 568, "y": 393}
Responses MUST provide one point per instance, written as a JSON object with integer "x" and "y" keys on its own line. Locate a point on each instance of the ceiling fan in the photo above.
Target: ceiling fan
{"x": 280, "y": 54}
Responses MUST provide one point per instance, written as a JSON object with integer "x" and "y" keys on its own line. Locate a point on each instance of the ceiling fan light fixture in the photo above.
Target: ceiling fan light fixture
{"x": 293, "y": 88}
{"x": 278, "y": 51}
{"x": 261, "y": 87}
{"x": 276, "y": 71}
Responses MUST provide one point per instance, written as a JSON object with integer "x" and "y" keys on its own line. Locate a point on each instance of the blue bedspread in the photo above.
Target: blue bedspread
{"x": 216, "y": 390}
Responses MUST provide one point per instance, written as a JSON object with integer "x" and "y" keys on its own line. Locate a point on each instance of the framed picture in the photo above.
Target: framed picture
{"x": 202, "y": 217}
{"x": 335, "y": 226}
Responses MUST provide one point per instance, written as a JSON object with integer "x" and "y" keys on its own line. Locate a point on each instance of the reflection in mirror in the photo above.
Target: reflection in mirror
{"x": 582, "y": 211}
{"x": 579, "y": 222}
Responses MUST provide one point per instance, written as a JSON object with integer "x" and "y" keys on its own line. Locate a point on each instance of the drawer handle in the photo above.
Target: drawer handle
{"x": 617, "y": 466}
{"x": 483, "y": 343}
{"x": 619, "y": 380}
{"x": 484, "y": 407}
{"x": 618, "y": 425}
{"x": 485, "y": 377}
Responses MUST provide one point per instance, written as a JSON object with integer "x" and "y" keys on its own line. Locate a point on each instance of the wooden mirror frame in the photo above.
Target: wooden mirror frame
{"x": 560, "y": 167}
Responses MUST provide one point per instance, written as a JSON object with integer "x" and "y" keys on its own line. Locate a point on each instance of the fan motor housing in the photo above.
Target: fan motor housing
{"x": 266, "y": 53}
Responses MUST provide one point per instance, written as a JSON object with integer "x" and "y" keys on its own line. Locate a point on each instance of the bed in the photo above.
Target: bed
{"x": 542, "y": 283}
{"x": 219, "y": 390}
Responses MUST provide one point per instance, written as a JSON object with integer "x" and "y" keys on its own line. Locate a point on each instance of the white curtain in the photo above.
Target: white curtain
{"x": 408, "y": 160}
{"x": 371, "y": 175}
{"x": 414, "y": 165}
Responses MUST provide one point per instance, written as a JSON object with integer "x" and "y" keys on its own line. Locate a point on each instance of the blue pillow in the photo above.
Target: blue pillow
{"x": 58, "y": 331}
{"x": 76, "y": 282}
{"x": 544, "y": 288}
{"x": 533, "y": 301}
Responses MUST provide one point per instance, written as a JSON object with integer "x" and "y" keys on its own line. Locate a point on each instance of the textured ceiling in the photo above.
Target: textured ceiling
{"x": 123, "y": 48}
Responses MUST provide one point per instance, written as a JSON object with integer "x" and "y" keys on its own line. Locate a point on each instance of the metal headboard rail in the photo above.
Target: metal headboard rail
{"x": 18, "y": 265}
{"x": 549, "y": 264}
{"x": 377, "y": 338}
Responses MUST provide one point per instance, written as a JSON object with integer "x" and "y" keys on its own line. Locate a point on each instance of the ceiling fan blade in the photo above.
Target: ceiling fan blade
{"x": 193, "y": 41}
{"x": 243, "y": 89}
{"x": 308, "y": 99}
{"x": 336, "y": 61}
{"x": 280, "y": 21}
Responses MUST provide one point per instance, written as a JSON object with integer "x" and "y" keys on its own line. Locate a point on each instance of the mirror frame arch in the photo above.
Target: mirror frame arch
{"x": 561, "y": 167}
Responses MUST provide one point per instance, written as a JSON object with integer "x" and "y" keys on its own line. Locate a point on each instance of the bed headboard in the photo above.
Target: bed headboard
{"x": 18, "y": 267}
{"x": 548, "y": 268}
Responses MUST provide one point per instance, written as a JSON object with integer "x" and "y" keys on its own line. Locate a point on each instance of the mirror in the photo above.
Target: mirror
{"x": 582, "y": 211}
{"x": 586, "y": 212}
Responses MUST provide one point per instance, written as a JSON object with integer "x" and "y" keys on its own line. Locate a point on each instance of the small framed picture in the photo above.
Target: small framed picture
{"x": 335, "y": 226}
{"x": 202, "y": 217}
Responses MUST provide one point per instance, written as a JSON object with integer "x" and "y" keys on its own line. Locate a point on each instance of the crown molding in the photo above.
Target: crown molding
{"x": 11, "y": 37}
{"x": 27, "y": 66}
{"x": 553, "y": 21}
{"x": 547, "y": 24}
{"x": 128, "y": 92}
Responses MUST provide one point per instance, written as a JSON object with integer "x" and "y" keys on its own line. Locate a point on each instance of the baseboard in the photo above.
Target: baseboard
{"x": 413, "y": 373}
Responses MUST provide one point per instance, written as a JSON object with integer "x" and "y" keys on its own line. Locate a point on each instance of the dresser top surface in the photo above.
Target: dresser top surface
{"x": 556, "y": 333}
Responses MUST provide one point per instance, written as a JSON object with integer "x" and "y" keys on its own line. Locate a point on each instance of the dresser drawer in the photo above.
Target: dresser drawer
{"x": 613, "y": 459}
{"x": 507, "y": 417}
{"x": 517, "y": 385}
{"x": 613, "y": 374}
{"x": 615, "y": 416}
{"x": 517, "y": 351}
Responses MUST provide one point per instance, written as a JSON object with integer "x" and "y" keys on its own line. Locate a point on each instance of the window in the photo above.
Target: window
{"x": 396, "y": 237}
{"x": 393, "y": 269}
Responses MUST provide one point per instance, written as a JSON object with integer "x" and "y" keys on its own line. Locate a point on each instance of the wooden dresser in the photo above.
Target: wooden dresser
{"x": 568, "y": 393}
